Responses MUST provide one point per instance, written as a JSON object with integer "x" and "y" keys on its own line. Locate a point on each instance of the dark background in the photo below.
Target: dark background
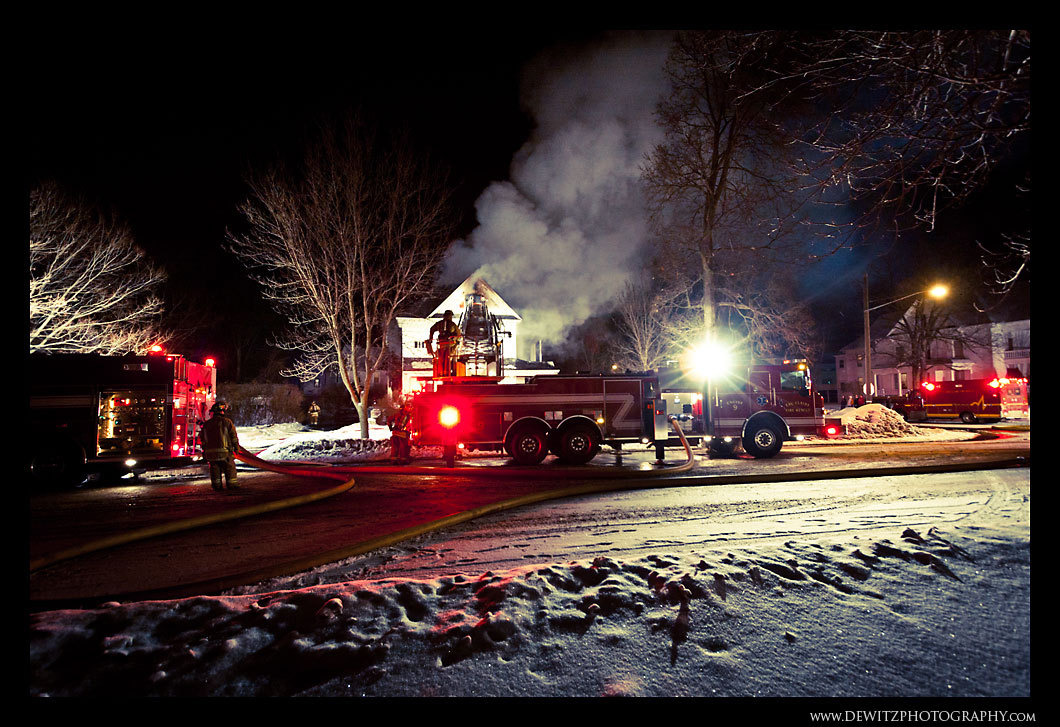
{"x": 160, "y": 127}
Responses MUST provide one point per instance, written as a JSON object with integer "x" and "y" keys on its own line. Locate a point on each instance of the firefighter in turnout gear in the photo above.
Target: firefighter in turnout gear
{"x": 314, "y": 414}
{"x": 399, "y": 423}
{"x": 220, "y": 442}
{"x": 448, "y": 337}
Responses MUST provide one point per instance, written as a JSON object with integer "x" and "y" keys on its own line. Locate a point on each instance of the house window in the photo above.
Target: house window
{"x": 958, "y": 349}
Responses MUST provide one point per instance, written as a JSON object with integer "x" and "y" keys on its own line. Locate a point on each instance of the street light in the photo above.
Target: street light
{"x": 936, "y": 291}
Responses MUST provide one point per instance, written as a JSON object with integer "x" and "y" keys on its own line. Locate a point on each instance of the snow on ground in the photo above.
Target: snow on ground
{"x": 901, "y": 613}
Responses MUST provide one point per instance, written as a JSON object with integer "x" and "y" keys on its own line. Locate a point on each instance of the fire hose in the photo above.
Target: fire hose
{"x": 342, "y": 473}
{"x": 212, "y": 519}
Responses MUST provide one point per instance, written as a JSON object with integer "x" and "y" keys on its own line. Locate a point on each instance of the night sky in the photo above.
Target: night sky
{"x": 162, "y": 134}
{"x": 161, "y": 131}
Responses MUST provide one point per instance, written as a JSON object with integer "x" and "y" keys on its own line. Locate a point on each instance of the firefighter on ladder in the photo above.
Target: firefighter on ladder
{"x": 448, "y": 337}
{"x": 220, "y": 442}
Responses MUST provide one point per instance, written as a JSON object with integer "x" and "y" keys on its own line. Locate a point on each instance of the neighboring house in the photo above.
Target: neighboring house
{"x": 976, "y": 350}
{"x": 824, "y": 380}
{"x": 409, "y": 341}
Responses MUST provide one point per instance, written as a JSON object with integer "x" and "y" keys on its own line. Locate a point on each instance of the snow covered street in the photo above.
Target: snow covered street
{"x": 826, "y": 596}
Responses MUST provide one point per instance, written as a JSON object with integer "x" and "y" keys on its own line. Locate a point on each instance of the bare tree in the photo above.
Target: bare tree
{"x": 721, "y": 185}
{"x": 341, "y": 242}
{"x": 918, "y": 121}
{"x": 642, "y": 317}
{"x": 921, "y": 329}
{"x": 91, "y": 289}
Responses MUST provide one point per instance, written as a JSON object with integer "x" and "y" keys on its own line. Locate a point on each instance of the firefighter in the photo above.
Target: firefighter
{"x": 448, "y": 336}
{"x": 400, "y": 446}
{"x": 314, "y": 414}
{"x": 220, "y": 442}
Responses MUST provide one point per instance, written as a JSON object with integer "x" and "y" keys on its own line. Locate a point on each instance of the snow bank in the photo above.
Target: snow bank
{"x": 933, "y": 614}
{"x": 875, "y": 421}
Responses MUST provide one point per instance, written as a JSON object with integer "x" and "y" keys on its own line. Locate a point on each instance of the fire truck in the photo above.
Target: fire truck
{"x": 572, "y": 416}
{"x": 969, "y": 400}
{"x": 569, "y": 416}
{"x": 127, "y": 413}
{"x": 759, "y": 411}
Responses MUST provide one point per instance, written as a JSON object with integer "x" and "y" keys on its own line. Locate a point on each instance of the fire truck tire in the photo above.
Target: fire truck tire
{"x": 762, "y": 440}
{"x": 58, "y": 464}
{"x": 528, "y": 445}
{"x": 577, "y": 444}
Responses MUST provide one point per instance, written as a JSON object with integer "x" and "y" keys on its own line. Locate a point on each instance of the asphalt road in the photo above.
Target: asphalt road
{"x": 211, "y": 558}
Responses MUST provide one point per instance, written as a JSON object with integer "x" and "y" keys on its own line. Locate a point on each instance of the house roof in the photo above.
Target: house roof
{"x": 455, "y": 300}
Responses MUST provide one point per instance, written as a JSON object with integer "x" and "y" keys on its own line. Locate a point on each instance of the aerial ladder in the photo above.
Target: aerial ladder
{"x": 480, "y": 351}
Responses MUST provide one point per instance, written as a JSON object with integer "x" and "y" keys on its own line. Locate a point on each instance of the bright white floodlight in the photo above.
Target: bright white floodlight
{"x": 709, "y": 361}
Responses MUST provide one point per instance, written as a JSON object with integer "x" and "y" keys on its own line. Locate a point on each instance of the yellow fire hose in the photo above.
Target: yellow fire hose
{"x": 203, "y": 520}
{"x": 341, "y": 473}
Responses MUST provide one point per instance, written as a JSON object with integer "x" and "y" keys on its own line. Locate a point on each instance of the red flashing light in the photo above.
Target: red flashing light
{"x": 156, "y": 349}
{"x": 928, "y": 385}
{"x": 832, "y": 431}
{"x": 210, "y": 362}
{"x": 996, "y": 383}
{"x": 449, "y": 416}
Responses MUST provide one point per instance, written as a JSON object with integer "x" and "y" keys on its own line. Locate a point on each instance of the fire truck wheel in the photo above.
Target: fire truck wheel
{"x": 58, "y": 464}
{"x": 762, "y": 440}
{"x": 529, "y": 445}
{"x": 578, "y": 444}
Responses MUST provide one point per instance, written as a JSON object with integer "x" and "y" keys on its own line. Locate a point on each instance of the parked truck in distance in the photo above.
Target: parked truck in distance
{"x": 968, "y": 401}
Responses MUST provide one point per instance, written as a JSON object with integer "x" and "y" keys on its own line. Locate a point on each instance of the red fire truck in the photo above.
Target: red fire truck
{"x": 570, "y": 416}
{"x": 91, "y": 413}
{"x": 970, "y": 400}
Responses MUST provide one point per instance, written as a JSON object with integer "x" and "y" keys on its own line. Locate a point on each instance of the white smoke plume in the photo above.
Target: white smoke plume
{"x": 561, "y": 238}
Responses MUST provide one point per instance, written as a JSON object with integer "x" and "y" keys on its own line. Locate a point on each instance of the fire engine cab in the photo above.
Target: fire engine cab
{"x": 772, "y": 403}
{"x": 91, "y": 412}
{"x": 570, "y": 416}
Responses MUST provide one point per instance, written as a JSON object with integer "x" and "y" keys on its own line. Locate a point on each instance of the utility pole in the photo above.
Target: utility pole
{"x": 867, "y": 368}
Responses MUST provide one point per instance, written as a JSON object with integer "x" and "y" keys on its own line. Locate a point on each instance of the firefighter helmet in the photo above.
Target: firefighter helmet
{"x": 219, "y": 407}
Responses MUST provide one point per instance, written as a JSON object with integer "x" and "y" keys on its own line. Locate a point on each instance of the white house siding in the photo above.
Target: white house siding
{"x": 1006, "y": 347}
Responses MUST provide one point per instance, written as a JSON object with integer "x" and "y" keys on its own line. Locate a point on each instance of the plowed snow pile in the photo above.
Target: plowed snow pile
{"x": 874, "y": 421}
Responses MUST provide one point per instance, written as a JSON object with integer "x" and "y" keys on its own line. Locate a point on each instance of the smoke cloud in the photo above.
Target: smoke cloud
{"x": 561, "y": 238}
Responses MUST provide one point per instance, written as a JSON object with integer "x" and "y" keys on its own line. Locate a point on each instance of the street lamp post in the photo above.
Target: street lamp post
{"x": 936, "y": 291}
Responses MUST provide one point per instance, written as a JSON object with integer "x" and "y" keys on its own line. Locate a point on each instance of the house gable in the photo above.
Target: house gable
{"x": 455, "y": 300}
